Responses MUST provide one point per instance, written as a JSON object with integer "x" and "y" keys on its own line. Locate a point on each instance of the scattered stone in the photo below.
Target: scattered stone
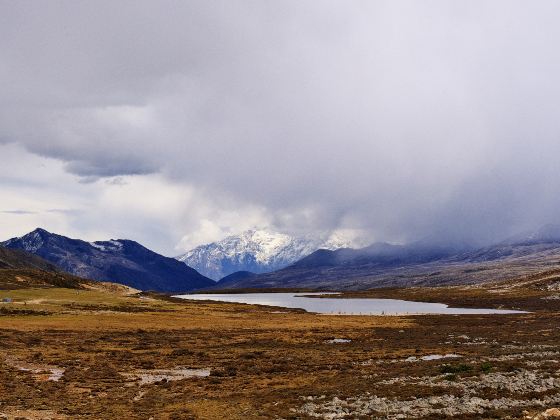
{"x": 150, "y": 376}
{"x": 521, "y": 382}
{"x": 443, "y": 405}
{"x": 551, "y": 413}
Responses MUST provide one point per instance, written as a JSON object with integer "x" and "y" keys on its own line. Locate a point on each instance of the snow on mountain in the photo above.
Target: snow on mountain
{"x": 108, "y": 246}
{"x": 257, "y": 251}
{"x": 30, "y": 242}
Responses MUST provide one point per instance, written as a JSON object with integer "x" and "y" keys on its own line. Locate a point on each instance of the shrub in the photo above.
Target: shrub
{"x": 486, "y": 367}
{"x": 460, "y": 368}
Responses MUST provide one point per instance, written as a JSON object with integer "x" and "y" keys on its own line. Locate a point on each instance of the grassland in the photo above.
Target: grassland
{"x": 100, "y": 354}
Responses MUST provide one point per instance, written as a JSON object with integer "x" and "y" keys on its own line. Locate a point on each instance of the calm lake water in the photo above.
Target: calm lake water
{"x": 343, "y": 306}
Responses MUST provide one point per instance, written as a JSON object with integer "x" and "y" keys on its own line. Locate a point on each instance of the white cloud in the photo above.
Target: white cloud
{"x": 38, "y": 192}
{"x": 396, "y": 119}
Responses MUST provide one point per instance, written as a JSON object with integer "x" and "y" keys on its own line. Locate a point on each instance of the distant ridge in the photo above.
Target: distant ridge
{"x": 423, "y": 263}
{"x": 121, "y": 261}
{"x": 257, "y": 251}
{"x": 546, "y": 234}
{"x": 235, "y": 277}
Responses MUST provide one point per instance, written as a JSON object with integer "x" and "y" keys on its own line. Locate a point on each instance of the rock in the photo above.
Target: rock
{"x": 551, "y": 413}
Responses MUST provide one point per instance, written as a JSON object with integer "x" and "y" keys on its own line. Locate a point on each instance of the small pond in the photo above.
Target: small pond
{"x": 343, "y": 306}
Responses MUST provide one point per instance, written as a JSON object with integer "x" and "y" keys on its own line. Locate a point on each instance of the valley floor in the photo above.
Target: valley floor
{"x": 94, "y": 355}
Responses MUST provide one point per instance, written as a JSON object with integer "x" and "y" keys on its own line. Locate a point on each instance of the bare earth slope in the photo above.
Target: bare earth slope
{"x": 12, "y": 258}
{"x": 22, "y": 270}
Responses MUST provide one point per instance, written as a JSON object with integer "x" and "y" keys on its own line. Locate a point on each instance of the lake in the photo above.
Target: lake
{"x": 343, "y": 306}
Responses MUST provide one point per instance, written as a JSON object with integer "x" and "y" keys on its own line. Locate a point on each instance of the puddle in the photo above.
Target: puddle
{"x": 338, "y": 341}
{"x": 56, "y": 374}
{"x": 432, "y": 357}
{"x": 150, "y": 376}
{"x": 39, "y": 372}
{"x": 44, "y": 373}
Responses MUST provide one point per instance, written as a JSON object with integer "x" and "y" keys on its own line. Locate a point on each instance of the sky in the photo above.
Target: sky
{"x": 176, "y": 123}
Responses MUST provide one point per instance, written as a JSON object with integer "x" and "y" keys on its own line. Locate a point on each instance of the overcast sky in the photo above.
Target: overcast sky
{"x": 175, "y": 123}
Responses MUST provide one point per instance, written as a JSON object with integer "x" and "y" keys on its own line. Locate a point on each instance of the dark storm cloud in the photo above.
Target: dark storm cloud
{"x": 66, "y": 211}
{"x": 403, "y": 119}
{"x": 32, "y": 212}
{"x": 18, "y": 212}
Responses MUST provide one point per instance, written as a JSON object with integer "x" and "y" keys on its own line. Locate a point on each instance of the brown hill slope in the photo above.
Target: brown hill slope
{"x": 22, "y": 278}
{"x": 21, "y": 270}
{"x": 17, "y": 259}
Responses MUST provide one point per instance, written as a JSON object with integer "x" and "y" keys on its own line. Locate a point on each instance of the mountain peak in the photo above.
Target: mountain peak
{"x": 121, "y": 261}
{"x": 31, "y": 241}
{"x": 255, "y": 250}
{"x": 40, "y": 231}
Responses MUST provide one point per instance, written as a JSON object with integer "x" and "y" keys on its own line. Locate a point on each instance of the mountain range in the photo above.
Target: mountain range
{"x": 420, "y": 263}
{"x": 121, "y": 261}
{"x": 256, "y": 251}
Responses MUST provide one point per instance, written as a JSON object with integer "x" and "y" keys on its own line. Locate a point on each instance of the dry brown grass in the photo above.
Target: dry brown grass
{"x": 262, "y": 363}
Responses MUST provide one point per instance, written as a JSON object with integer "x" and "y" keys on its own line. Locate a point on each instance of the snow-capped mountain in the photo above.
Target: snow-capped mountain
{"x": 257, "y": 251}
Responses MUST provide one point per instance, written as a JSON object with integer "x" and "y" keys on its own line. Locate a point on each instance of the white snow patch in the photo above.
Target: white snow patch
{"x": 432, "y": 357}
{"x": 338, "y": 341}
